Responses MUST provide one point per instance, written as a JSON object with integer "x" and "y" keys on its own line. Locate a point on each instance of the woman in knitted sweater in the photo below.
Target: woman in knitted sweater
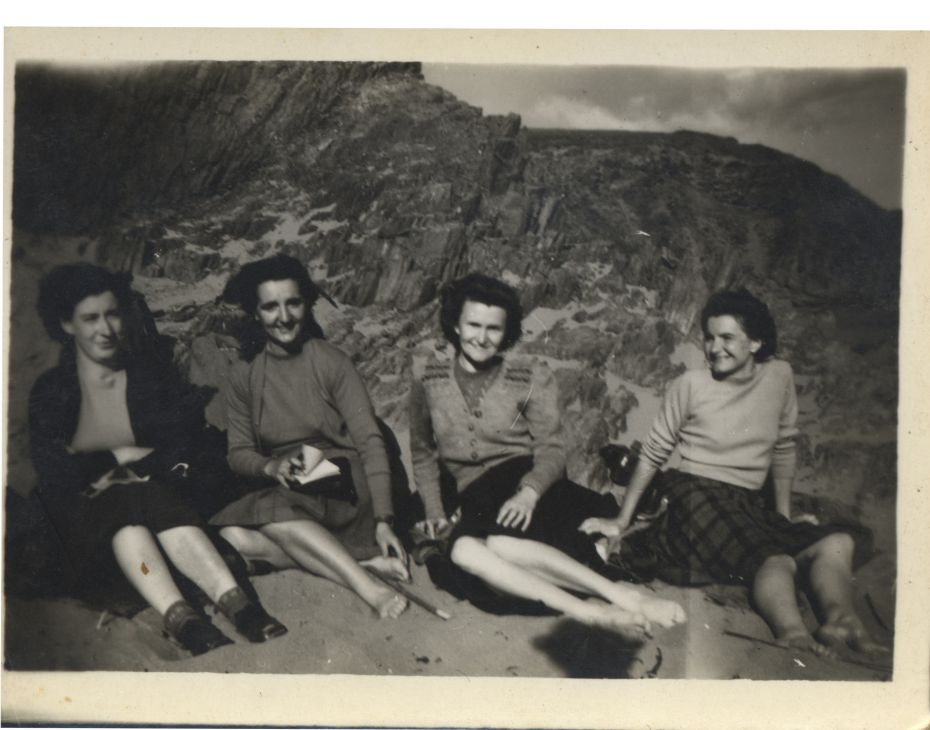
{"x": 110, "y": 436}
{"x": 295, "y": 390}
{"x": 731, "y": 424}
{"x": 487, "y": 454}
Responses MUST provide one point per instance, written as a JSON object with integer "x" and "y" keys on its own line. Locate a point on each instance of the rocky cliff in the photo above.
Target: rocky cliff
{"x": 387, "y": 187}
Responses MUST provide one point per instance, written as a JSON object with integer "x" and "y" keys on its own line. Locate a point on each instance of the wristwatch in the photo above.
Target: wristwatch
{"x": 386, "y": 519}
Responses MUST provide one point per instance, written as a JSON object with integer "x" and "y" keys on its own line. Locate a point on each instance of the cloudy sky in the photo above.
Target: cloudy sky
{"x": 850, "y": 123}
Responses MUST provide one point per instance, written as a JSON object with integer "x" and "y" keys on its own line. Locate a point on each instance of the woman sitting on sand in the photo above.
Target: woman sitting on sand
{"x": 486, "y": 441}
{"x": 295, "y": 390}
{"x": 109, "y": 436}
{"x": 731, "y": 424}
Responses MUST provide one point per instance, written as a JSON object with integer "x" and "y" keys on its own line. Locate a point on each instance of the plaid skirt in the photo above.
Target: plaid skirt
{"x": 713, "y": 532}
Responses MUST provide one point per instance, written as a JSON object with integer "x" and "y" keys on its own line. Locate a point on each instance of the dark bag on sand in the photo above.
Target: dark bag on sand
{"x": 636, "y": 559}
{"x": 339, "y": 486}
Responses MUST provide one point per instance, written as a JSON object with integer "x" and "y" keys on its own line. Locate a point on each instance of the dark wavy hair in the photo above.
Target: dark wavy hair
{"x": 751, "y": 313}
{"x": 486, "y": 290}
{"x": 66, "y": 286}
{"x": 242, "y": 289}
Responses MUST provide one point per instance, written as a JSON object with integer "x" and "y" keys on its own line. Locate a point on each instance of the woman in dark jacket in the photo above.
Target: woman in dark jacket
{"x": 110, "y": 436}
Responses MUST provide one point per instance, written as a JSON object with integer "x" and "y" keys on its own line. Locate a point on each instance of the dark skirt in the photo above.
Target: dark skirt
{"x": 556, "y": 518}
{"x": 87, "y": 526}
{"x": 713, "y": 532}
{"x": 351, "y": 523}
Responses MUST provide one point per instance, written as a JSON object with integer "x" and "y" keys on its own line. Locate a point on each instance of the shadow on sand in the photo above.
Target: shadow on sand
{"x": 591, "y": 653}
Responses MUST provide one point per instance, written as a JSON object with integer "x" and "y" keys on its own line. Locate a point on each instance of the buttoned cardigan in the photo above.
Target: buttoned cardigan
{"x": 517, "y": 416}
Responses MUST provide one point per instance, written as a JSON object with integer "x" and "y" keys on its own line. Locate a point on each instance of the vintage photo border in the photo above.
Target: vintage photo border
{"x": 320, "y": 700}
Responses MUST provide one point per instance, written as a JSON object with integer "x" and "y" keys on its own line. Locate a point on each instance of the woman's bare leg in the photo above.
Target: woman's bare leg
{"x": 144, "y": 566}
{"x": 195, "y": 556}
{"x": 253, "y": 545}
{"x": 774, "y": 594}
{"x": 556, "y": 567}
{"x": 313, "y": 548}
{"x": 830, "y": 574}
{"x": 474, "y": 556}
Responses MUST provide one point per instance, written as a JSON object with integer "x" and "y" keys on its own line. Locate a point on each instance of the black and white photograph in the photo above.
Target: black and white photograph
{"x": 391, "y": 367}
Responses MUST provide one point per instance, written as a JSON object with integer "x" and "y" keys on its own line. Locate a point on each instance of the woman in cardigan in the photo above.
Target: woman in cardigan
{"x": 295, "y": 390}
{"x": 731, "y": 424}
{"x": 486, "y": 444}
{"x": 109, "y": 436}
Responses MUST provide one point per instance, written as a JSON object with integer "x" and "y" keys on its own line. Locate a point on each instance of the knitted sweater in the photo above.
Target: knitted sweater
{"x": 327, "y": 404}
{"x": 518, "y": 415}
{"x": 729, "y": 430}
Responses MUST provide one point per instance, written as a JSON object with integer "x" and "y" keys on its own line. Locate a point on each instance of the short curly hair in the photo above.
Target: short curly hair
{"x": 66, "y": 286}
{"x": 482, "y": 289}
{"x": 242, "y": 289}
{"x": 752, "y": 314}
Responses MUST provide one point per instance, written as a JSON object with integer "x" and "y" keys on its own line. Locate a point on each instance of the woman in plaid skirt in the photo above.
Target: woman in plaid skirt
{"x": 732, "y": 424}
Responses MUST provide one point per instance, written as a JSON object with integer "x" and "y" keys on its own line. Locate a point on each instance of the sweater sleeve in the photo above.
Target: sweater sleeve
{"x": 243, "y": 453}
{"x": 542, "y": 414}
{"x": 59, "y": 470}
{"x": 424, "y": 452}
{"x": 784, "y": 455}
{"x": 663, "y": 437}
{"x": 351, "y": 400}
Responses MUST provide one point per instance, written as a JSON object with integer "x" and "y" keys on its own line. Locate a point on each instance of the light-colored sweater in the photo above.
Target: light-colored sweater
{"x": 516, "y": 416}
{"x": 280, "y": 400}
{"x": 729, "y": 430}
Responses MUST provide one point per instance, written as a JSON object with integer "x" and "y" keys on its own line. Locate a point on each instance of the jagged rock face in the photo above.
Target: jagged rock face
{"x": 387, "y": 188}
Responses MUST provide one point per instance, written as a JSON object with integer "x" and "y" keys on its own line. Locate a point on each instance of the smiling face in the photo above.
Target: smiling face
{"x": 481, "y": 331}
{"x": 281, "y": 310}
{"x": 96, "y": 326}
{"x": 727, "y": 347}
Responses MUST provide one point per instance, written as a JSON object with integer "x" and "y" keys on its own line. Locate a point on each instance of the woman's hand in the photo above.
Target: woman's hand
{"x": 387, "y": 541}
{"x": 603, "y": 526}
{"x": 280, "y": 469}
{"x": 518, "y": 510}
{"x": 433, "y": 528}
{"x": 805, "y": 517}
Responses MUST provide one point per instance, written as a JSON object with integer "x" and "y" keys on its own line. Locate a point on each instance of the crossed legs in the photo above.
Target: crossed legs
{"x": 307, "y": 545}
{"x": 535, "y": 571}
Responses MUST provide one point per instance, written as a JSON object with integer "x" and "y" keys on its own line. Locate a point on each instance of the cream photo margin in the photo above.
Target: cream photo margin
{"x": 322, "y": 700}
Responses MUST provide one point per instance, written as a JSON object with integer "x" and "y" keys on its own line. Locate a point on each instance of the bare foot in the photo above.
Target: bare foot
{"x": 801, "y": 639}
{"x": 657, "y": 610}
{"x": 389, "y": 567}
{"x": 849, "y": 631}
{"x": 662, "y": 612}
{"x": 615, "y": 618}
{"x": 386, "y": 602}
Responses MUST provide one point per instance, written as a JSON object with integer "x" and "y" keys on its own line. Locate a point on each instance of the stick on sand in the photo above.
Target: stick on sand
{"x": 868, "y": 665}
{"x": 411, "y": 596}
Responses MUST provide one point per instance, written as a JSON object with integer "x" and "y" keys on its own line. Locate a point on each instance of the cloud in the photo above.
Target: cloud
{"x": 556, "y": 111}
